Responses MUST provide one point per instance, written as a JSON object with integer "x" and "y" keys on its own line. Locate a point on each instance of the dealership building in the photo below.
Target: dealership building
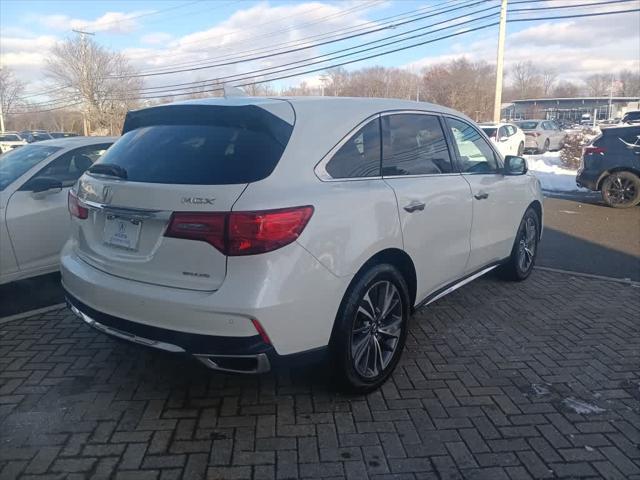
{"x": 570, "y": 109}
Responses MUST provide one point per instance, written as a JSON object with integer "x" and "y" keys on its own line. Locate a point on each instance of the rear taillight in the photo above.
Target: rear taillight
{"x": 592, "y": 150}
{"x": 76, "y": 209}
{"x": 241, "y": 233}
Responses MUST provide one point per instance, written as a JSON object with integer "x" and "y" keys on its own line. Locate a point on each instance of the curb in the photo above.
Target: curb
{"x": 626, "y": 281}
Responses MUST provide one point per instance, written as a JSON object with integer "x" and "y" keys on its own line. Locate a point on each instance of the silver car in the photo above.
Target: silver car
{"x": 542, "y": 135}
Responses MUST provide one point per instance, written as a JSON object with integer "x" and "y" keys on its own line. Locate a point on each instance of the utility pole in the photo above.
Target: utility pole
{"x": 83, "y": 66}
{"x": 1, "y": 113}
{"x": 500, "y": 62}
{"x": 610, "y": 98}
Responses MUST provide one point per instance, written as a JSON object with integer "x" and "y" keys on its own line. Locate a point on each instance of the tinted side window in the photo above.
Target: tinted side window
{"x": 70, "y": 166}
{"x": 359, "y": 156}
{"x": 415, "y": 146}
{"x": 502, "y": 132}
{"x": 511, "y": 130}
{"x": 476, "y": 156}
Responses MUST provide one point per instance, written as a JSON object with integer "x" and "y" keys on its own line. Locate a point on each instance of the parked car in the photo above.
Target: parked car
{"x": 508, "y": 138}
{"x": 611, "y": 164}
{"x": 542, "y": 135}
{"x": 34, "y": 220}
{"x": 632, "y": 117}
{"x": 62, "y": 134}
{"x": 35, "y": 135}
{"x": 10, "y": 140}
{"x": 252, "y": 232}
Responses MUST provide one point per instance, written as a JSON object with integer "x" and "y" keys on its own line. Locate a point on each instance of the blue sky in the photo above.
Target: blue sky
{"x": 157, "y": 35}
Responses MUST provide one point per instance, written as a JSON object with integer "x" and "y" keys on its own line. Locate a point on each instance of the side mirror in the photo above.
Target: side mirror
{"x": 514, "y": 165}
{"x": 503, "y": 139}
{"x": 42, "y": 186}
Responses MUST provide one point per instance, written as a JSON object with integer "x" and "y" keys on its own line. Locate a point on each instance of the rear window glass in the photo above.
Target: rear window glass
{"x": 528, "y": 125}
{"x": 631, "y": 117}
{"x": 199, "y": 144}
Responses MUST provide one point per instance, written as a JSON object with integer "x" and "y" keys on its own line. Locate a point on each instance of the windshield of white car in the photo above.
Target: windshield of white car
{"x": 17, "y": 162}
{"x": 527, "y": 125}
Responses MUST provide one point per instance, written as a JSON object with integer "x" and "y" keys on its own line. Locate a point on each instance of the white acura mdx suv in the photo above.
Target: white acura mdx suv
{"x": 250, "y": 232}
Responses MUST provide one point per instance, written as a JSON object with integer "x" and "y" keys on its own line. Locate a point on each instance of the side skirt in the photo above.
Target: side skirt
{"x": 441, "y": 292}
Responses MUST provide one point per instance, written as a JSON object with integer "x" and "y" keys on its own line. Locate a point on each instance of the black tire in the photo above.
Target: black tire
{"x": 545, "y": 147}
{"x": 355, "y": 330}
{"x": 520, "y": 149}
{"x": 621, "y": 190}
{"x": 523, "y": 257}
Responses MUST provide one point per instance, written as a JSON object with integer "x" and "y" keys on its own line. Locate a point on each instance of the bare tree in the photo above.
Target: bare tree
{"x": 549, "y": 77}
{"x": 566, "y": 89}
{"x": 598, "y": 85}
{"x": 463, "y": 85}
{"x": 526, "y": 80}
{"x": 11, "y": 89}
{"x": 630, "y": 83}
{"x": 99, "y": 80}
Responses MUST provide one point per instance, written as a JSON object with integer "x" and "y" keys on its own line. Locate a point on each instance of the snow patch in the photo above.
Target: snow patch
{"x": 553, "y": 177}
{"x": 581, "y": 407}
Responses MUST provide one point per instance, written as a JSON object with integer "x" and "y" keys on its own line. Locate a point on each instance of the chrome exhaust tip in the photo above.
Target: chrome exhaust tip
{"x": 251, "y": 364}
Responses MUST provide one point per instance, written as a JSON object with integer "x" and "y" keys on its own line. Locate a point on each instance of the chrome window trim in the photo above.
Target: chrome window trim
{"x": 320, "y": 168}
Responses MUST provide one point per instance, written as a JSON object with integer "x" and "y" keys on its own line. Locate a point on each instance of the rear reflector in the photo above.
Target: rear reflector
{"x": 261, "y": 331}
{"x": 241, "y": 233}
{"x": 594, "y": 150}
{"x": 76, "y": 209}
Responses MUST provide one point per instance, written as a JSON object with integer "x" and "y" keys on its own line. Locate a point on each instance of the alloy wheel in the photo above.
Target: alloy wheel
{"x": 527, "y": 245}
{"x": 376, "y": 329}
{"x": 621, "y": 191}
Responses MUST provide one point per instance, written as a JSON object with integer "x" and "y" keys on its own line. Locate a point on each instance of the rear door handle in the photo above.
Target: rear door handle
{"x": 481, "y": 196}
{"x": 414, "y": 206}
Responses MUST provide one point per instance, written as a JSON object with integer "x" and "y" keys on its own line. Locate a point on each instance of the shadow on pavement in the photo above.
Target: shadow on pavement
{"x": 567, "y": 252}
{"x": 30, "y": 294}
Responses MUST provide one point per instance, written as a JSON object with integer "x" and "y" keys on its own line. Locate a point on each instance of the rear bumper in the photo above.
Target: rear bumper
{"x": 530, "y": 143}
{"x": 587, "y": 179}
{"x": 228, "y": 354}
{"x": 293, "y": 297}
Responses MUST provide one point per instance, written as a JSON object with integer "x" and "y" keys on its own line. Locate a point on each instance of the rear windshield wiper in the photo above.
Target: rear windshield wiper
{"x": 109, "y": 169}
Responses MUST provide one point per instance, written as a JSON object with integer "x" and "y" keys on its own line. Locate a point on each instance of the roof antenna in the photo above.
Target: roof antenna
{"x": 231, "y": 91}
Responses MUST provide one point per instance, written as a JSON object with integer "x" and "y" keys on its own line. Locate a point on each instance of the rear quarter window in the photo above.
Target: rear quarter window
{"x": 200, "y": 144}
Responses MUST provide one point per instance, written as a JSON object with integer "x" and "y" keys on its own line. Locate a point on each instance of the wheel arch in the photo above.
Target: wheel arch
{"x": 537, "y": 207}
{"x": 606, "y": 173}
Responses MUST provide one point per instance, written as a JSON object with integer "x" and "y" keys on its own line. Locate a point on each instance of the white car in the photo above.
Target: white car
{"x": 34, "y": 219}
{"x": 251, "y": 232}
{"x": 542, "y": 135}
{"x": 508, "y": 138}
{"x": 10, "y": 140}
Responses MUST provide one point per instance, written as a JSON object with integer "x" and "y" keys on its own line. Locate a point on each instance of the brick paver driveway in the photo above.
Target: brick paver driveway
{"x": 499, "y": 380}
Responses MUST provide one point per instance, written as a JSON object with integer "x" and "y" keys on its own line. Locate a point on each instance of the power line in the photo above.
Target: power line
{"x": 332, "y": 33}
{"x": 392, "y": 51}
{"x": 260, "y": 57}
{"x": 156, "y": 12}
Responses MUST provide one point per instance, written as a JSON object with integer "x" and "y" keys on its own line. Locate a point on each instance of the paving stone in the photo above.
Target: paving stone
{"x": 480, "y": 393}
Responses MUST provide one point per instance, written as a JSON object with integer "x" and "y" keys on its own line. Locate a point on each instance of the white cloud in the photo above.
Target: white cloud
{"x": 261, "y": 26}
{"x": 575, "y": 48}
{"x": 156, "y": 38}
{"x": 110, "y": 22}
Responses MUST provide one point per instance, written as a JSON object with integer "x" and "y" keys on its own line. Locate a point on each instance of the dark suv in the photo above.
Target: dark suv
{"x": 611, "y": 164}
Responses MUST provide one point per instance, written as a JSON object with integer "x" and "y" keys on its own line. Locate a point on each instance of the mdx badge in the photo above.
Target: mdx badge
{"x": 198, "y": 200}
